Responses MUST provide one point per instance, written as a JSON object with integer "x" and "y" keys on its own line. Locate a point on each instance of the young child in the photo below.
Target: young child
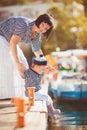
{"x": 33, "y": 78}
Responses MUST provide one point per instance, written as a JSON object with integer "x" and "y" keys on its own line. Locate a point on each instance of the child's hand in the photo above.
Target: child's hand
{"x": 50, "y": 69}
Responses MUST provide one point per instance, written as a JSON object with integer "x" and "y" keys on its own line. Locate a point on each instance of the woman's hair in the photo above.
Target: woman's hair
{"x": 46, "y": 18}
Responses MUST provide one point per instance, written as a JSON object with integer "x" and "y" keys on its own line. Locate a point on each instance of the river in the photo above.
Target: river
{"x": 72, "y": 118}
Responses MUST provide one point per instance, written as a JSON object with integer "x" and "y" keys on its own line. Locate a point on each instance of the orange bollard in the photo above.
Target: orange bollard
{"x": 31, "y": 91}
{"x": 20, "y": 112}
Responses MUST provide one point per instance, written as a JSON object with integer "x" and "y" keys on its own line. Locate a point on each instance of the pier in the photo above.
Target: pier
{"x": 36, "y": 118}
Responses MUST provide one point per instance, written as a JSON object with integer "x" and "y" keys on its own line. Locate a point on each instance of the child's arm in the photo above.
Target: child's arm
{"x": 50, "y": 69}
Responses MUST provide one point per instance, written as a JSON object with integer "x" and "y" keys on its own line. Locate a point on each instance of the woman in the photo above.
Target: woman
{"x": 13, "y": 31}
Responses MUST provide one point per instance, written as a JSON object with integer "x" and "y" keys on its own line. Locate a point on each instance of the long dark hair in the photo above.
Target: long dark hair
{"x": 46, "y": 18}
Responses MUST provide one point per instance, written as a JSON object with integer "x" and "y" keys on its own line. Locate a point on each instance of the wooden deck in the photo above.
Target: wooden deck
{"x": 35, "y": 119}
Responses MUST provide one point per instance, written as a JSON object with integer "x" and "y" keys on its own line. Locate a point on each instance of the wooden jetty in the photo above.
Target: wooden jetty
{"x": 35, "y": 119}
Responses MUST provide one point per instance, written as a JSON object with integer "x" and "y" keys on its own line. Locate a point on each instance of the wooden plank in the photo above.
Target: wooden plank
{"x": 34, "y": 120}
{"x": 7, "y": 118}
{"x": 40, "y": 106}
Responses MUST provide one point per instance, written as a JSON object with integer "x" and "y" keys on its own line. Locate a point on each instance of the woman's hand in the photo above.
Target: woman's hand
{"x": 21, "y": 68}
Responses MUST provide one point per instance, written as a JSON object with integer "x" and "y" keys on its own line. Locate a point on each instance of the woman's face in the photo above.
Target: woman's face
{"x": 43, "y": 27}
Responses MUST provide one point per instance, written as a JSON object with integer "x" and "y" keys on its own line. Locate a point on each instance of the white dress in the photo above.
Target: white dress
{"x": 11, "y": 83}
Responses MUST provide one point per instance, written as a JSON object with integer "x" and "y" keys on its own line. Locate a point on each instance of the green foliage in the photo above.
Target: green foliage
{"x": 13, "y": 2}
{"x": 66, "y": 2}
{"x": 62, "y": 36}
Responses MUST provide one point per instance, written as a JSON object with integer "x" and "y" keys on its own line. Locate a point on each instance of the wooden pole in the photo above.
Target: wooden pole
{"x": 20, "y": 112}
{"x": 31, "y": 91}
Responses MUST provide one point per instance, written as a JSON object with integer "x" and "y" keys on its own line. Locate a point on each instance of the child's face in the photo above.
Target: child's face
{"x": 40, "y": 69}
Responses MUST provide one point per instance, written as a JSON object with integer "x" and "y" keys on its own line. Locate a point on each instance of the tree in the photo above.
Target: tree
{"x": 12, "y": 2}
{"x": 85, "y": 6}
{"x": 62, "y": 36}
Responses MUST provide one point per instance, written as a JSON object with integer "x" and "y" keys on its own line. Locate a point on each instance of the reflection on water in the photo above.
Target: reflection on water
{"x": 67, "y": 127}
{"x": 72, "y": 118}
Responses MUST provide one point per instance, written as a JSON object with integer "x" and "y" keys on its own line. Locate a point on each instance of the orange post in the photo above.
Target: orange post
{"x": 31, "y": 91}
{"x": 20, "y": 112}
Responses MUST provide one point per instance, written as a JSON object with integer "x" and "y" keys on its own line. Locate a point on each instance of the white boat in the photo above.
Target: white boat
{"x": 72, "y": 80}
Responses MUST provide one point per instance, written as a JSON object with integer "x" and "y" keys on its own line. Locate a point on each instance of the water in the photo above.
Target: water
{"x": 72, "y": 118}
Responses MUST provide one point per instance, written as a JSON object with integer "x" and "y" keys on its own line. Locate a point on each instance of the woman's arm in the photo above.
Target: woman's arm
{"x": 13, "y": 42}
{"x": 38, "y": 53}
{"x": 13, "y": 46}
